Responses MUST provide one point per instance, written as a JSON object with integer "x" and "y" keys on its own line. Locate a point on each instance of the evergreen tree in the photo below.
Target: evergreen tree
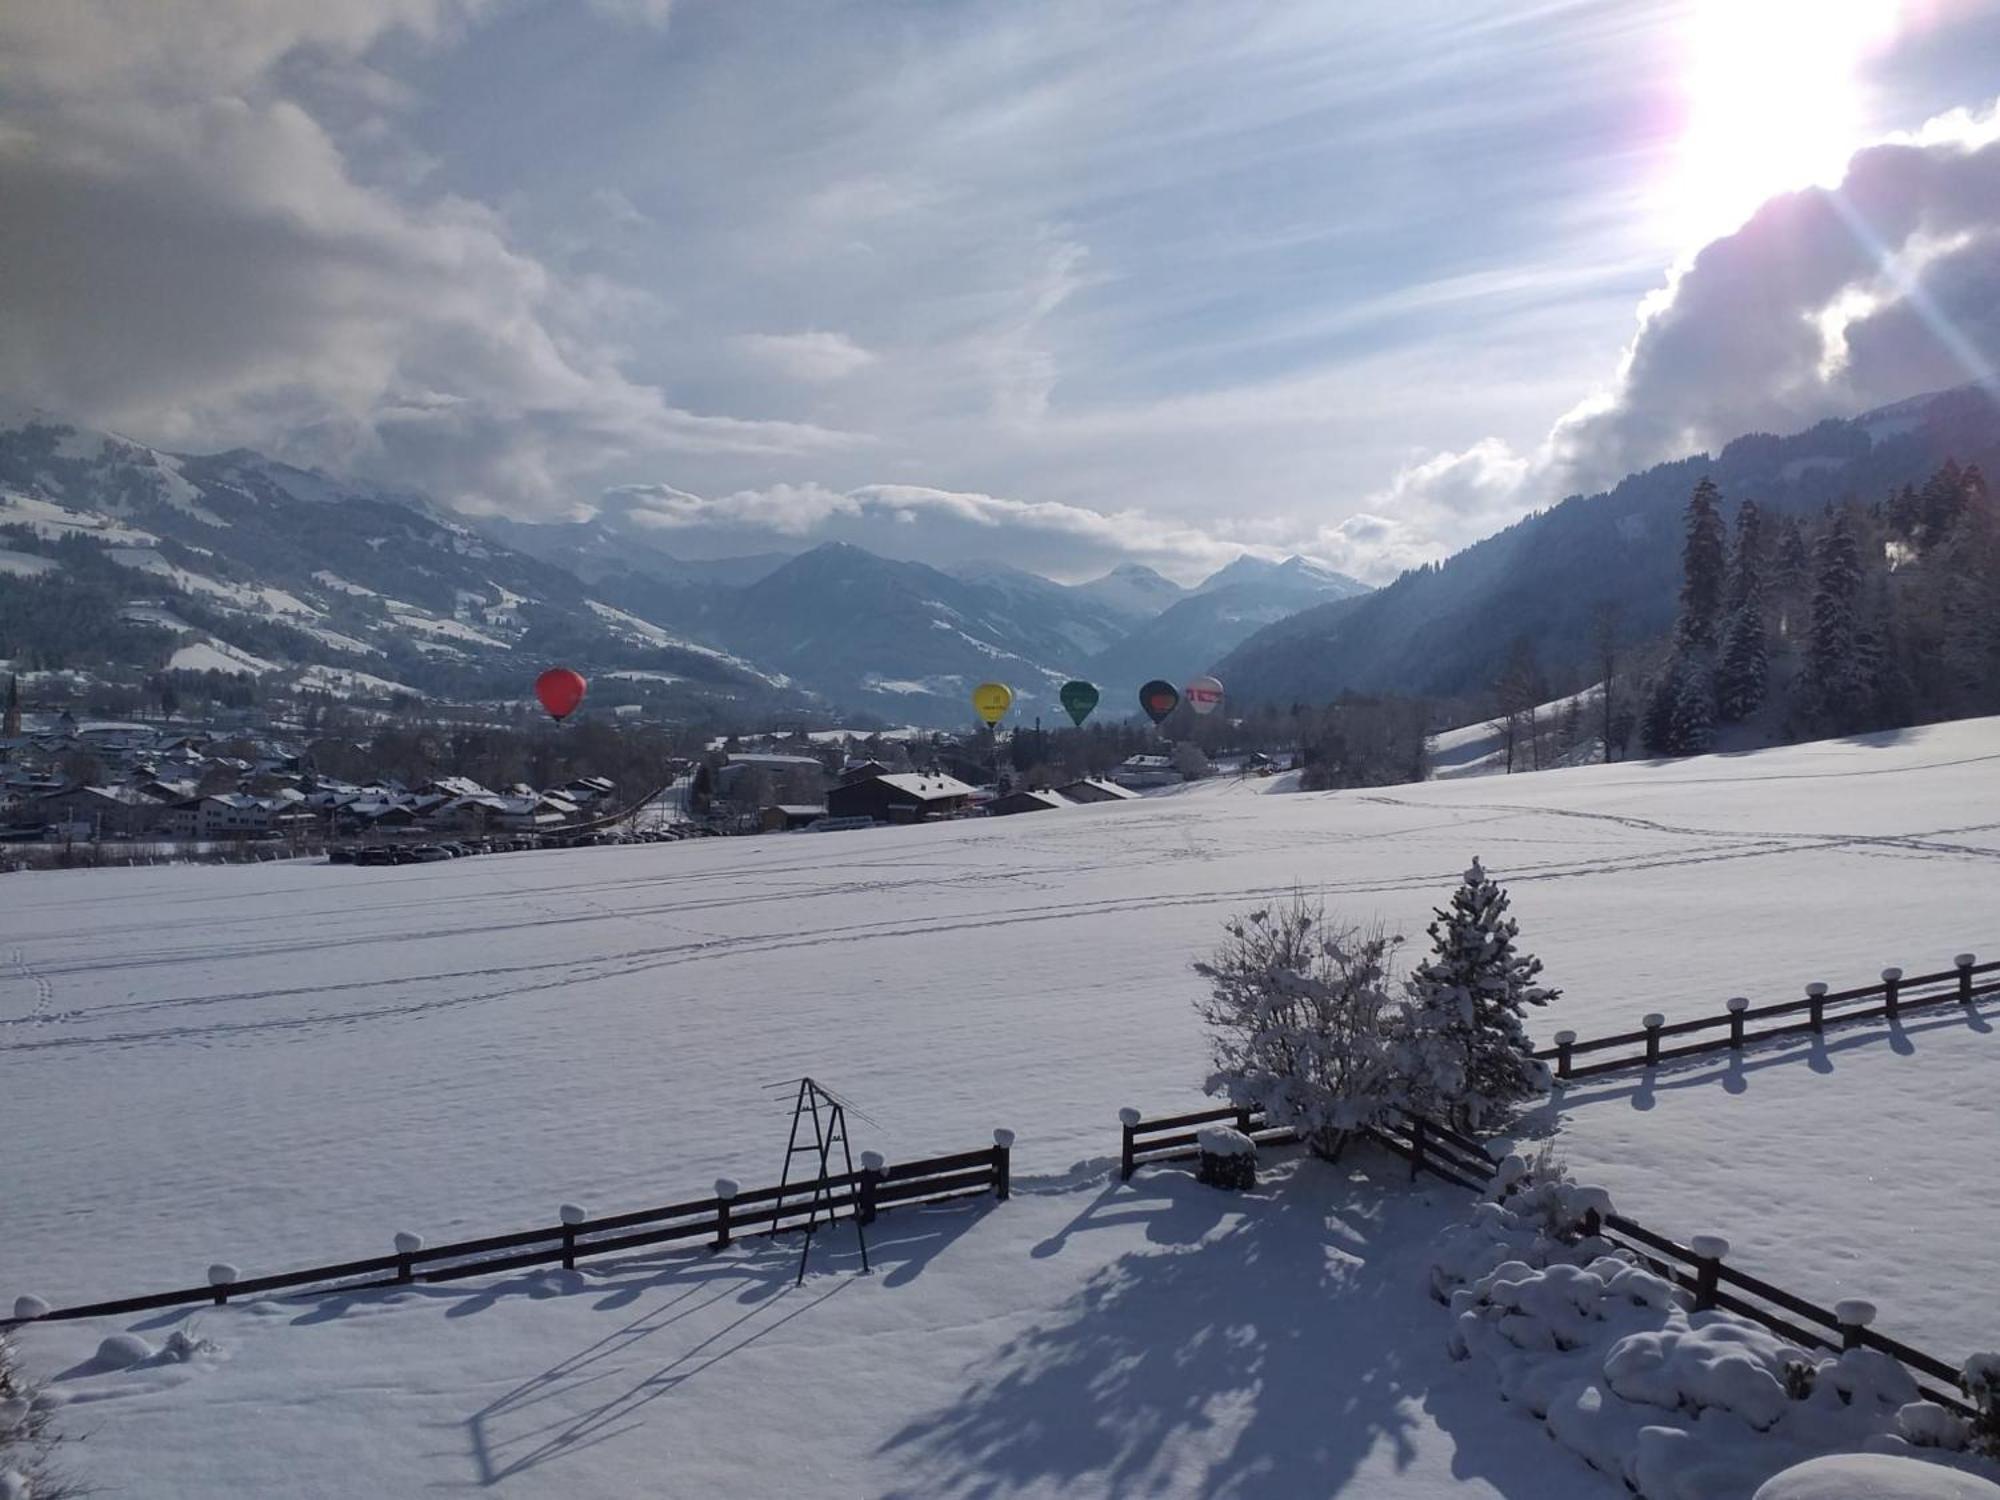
{"x": 1836, "y": 695}
{"x": 1691, "y": 719}
{"x": 1656, "y": 724}
{"x": 1465, "y": 1053}
{"x": 1741, "y": 672}
{"x": 1704, "y": 564}
{"x": 1791, "y": 578}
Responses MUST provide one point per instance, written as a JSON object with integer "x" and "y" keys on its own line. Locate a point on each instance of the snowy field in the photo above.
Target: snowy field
{"x": 283, "y": 1064}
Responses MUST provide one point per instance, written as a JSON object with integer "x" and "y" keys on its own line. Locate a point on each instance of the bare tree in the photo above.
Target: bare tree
{"x": 1604, "y": 621}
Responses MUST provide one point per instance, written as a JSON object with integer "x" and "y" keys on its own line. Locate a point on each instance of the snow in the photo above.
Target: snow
{"x": 1085, "y": 1338}
{"x": 334, "y": 581}
{"x": 1481, "y": 749}
{"x": 265, "y": 601}
{"x": 25, "y": 564}
{"x": 286, "y": 1064}
{"x": 343, "y": 681}
{"x": 1873, "y": 1476}
{"x": 449, "y": 629}
{"x": 217, "y": 656}
{"x": 51, "y": 521}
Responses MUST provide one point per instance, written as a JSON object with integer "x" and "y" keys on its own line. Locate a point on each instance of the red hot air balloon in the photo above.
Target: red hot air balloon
{"x": 560, "y": 690}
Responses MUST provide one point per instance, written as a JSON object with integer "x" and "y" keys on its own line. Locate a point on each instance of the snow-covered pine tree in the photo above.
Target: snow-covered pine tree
{"x": 1298, "y": 1015}
{"x": 1743, "y": 668}
{"x": 1791, "y": 578}
{"x": 1691, "y": 724}
{"x": 1463, "y": 1052}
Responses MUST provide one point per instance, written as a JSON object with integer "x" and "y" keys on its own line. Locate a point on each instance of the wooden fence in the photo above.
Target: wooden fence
{"x": 1699, "y": 1268}
{"x": 731, "y": 1213}
{"x": 1895, "y": 996}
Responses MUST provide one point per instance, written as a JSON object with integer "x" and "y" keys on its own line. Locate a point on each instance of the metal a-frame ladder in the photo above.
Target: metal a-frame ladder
{"x": 827, "y": 1112}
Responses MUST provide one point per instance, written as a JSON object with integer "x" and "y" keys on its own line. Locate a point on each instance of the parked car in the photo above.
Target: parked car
{"x": 376, "y": 857}
{"x": 339, "y": 855}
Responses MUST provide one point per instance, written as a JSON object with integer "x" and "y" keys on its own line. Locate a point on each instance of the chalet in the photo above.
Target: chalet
{"x": 587, "y": 789}
{"x": 784, "y": 817}
{"x": 1137, "y": 771}
{"x": 1091, "y": 789}
{"x": 1025, "y": 801}
{"x": 233, "y": 815}
{"x": 861, "y": 770}
{"x": 910, "y": 797}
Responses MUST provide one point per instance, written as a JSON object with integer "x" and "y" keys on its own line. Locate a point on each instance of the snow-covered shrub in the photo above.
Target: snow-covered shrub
{"x": 1464, "y": 1053}
{"x": 27, "y": 1440}
{"x": 1980, "y": 1380}
{"x": 1297, "y": 1014}
{"x": 1678, "y": 1404}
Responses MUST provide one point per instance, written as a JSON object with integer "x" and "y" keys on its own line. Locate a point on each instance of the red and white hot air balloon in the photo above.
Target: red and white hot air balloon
{"x": 1203, "y": 695}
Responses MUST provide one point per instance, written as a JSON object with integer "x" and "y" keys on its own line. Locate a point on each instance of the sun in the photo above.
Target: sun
{"x": 1774, "y": 102}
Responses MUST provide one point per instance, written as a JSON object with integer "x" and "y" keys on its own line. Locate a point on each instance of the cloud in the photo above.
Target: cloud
{"x": 191, "y": 254}
{"x": 1827, "y": 302}
{"x": 942, "y": 527}
{"x": 813, "y": 356}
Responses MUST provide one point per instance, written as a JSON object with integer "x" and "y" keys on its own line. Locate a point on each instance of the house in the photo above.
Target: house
{"x": 1146, "y": 770}
{"x": 1025, "y": 801}
{"x": 861, "y": 770}
{"x": 783, "y": 817}
{"x": 106, "y": 811}
{"x": 587, "y": 789}
{"x": 1091, "y": 789}
{"x": 232, "y": 815}
{"x": 909, "y": 797}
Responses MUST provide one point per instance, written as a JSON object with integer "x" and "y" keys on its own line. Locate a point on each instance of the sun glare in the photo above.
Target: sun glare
{"x": 1774, "y": 102}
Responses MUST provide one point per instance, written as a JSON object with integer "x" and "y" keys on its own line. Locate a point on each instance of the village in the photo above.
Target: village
{"x": 85, "y": 791}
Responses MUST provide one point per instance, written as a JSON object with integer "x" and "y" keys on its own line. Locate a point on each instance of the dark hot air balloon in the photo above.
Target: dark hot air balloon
{"x": 1159, "y": 698}
{"x": 1078, "y": 699}
{"x": 560, "y": 690}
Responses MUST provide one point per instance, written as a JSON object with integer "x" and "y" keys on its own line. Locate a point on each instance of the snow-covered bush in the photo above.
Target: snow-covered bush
{"x": 1980, "y": 1379}
{"x": 1298, "y": 1012}
{"x": 1678, "y": 1404}
{"x": 1464, "y": 1053}
{"x": 27, "y": 1440}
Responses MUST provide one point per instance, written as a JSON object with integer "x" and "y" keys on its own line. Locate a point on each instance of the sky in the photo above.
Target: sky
{"x": 1058, "y": 286}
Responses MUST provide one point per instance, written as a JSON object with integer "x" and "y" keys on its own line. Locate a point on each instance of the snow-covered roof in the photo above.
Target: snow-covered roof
{"x": 931, "y": 788}
{"x": 1110, "y": 790}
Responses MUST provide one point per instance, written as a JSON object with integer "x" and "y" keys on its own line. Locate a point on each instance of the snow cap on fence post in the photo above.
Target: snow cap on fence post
{"x": 1564, "y": 1041}
{"x": 572, "y": 1213}
{"x": 1128, "y": 1117}
{"x": 1892, "y": 979}
{"x": 1891, "y": 974}
{"x": 27, "y": 1308}
{"x": 873, "y": 1161}
{"x": 1816, "y": 1011}
{"x": 222, "y": 1273}
{"x": 1128, "y": 1121}
{"x": 1003, "y": 1152}
{"x": 1853, "y": 1315}
{"x": 1737, "y": 1005}
{"x": 407, "y": 1243}
{"x": 1652, "y": 1021}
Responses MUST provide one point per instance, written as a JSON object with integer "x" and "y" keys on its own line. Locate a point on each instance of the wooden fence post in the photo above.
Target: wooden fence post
{"x": 407, "y": 1245}
{"x": 1653, "y": 1021}
{"x": 1127, "y": 1119}
{"x": 726, "y": 1188}
{"x": 872, "y": 1167}
{"x": 1709, "y": 1249}
{"x": 1853, "y": 1315}
{"x": 1243, "y": 1120}
{"x": 1965, "y": 961}
{"x": 571, "y": 1215}
{"x": 1003, "y": 1151}
{"x": 1416, "y": 1146}
{"x": 1892, "y": 980}
{"x": 220, "y": 1275}
{"x": 1816, "y": 1007}
{"x": 1737, "y": 1005}
{"x": 1565, "y": 1040}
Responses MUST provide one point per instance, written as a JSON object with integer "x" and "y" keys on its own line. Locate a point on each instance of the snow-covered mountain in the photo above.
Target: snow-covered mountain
{"x": 237, "y": 563}
{"x": 233, "y": 562}
{"x": 1195, "y": 632}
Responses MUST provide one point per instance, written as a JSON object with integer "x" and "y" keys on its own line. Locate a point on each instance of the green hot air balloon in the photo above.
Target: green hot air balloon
{"x": 1159, "y": 698}
{"x": 1078, "y": 699}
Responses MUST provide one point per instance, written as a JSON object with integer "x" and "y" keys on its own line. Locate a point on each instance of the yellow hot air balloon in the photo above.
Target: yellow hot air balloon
{"x": 992, "y": 700}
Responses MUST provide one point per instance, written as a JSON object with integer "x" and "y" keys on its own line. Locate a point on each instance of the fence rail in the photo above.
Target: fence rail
{"x": 1429, "y": 1146}
{"x": 728, "y": 1214}
{"x": 1822, "y": 1007}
